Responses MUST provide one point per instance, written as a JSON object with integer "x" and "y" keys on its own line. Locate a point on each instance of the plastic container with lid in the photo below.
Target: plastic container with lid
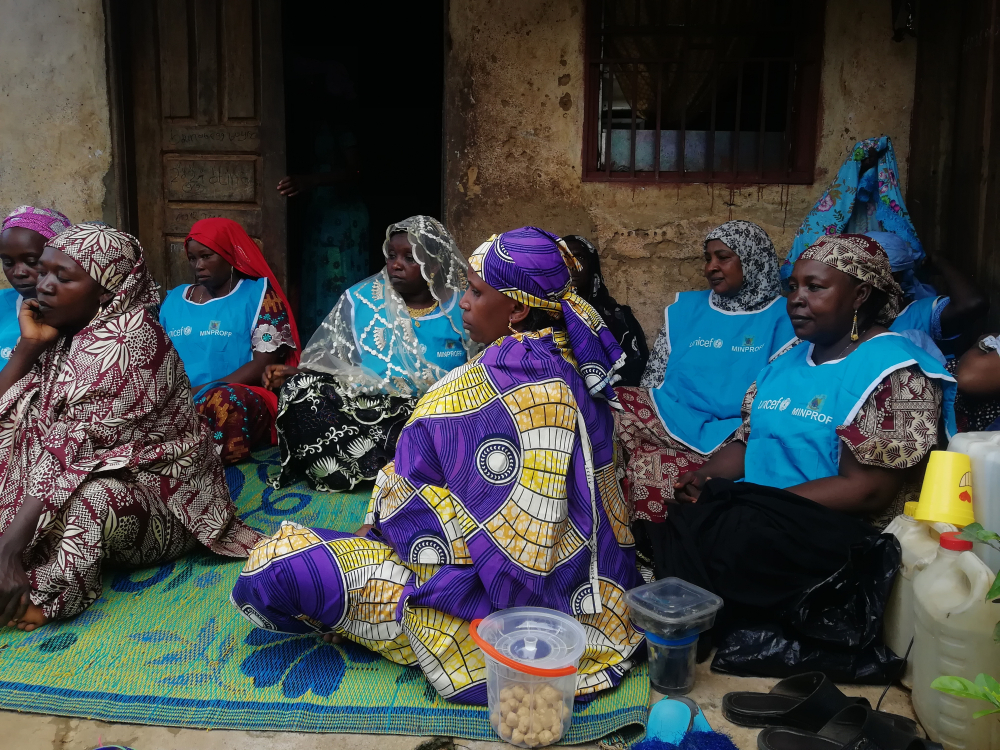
{"x": 918, "y": 541}
{"x": 532, "y": 655}
{"x": 953, "y": 635}
{"x": 983, "y": 450}
{"x": 672, "y": 612}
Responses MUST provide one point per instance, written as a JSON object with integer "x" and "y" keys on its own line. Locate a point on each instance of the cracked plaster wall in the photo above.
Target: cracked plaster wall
{"x": 513, "y": 140}
{"x": 55, "y": 133}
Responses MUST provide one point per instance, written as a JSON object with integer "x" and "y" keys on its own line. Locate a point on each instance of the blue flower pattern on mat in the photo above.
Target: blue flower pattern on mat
{"x": 299, "y": 663}
{"x": 200, "y": 660}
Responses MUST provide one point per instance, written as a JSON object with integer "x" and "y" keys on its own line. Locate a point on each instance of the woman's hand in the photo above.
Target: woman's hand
{"x": 15, "y": 589}
{"x": 34, "y": 329}
{"x": 276, "y": 375}
{"x": 688, "y": 487}
{"x": 297, "y": 183}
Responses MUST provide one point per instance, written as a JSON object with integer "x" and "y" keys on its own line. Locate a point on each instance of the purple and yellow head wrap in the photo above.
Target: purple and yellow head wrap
{"x": 46, "y": 221}
{"x": 532, "y": 266}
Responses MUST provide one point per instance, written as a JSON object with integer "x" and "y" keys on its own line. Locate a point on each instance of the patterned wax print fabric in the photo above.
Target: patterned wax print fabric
{"x": 761, "y": 285}
{"x": 46, "y": 221}
{"x": 618, "y": 318}
{"x": 859, "y": 202}
{"x": 504, "y": 493}
{"x": 332, "y": 438}
{"x": 239, "y": 421}
{"x": 655, "y": 459}
{"x": 137, "y": 489}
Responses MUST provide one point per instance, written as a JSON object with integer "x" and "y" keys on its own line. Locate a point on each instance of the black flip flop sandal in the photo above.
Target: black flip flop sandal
{"x": 805, "y": 701}
{"x": 857, "y": 727}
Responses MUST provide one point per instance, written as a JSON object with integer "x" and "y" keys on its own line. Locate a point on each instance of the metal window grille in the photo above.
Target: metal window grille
{"x": 702, "y": 90}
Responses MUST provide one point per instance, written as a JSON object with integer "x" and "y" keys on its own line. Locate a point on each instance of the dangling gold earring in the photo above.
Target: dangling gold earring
{"x": 510, "y": 325}
{"x": 854, "y": 329}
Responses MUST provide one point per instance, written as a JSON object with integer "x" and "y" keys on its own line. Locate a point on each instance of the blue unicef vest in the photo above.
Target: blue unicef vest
{"x": 799, "y": 405}
{"x": 917, "y": 315}
{"x": 714, "y": 357}
{"x": 10, "y": 329}
{"x": 439, "y": 333}
{"x": 213, "y": 338}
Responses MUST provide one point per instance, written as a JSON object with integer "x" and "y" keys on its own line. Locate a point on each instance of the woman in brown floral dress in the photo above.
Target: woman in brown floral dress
{"x": 102, "y": 456}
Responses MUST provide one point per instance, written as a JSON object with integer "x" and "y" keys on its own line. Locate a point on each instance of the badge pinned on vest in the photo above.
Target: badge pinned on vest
{"x": 214, "y": 325}
{"x": 817, "y": 403}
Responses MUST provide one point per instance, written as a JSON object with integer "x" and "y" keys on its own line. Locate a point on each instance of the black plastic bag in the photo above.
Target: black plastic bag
{"x": 835, "y": 627}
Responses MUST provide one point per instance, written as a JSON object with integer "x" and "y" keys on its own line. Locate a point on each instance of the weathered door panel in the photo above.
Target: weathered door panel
{"x": 209, "y": 124}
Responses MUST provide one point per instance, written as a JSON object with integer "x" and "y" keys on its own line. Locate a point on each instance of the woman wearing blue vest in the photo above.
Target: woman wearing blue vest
{"x": 829, "y": 433}
{"x": 227, "y": 327}
{"x": 388, "y": 340}
{"x": 22, "y": 239}
{"x": 716, "y": 341}
{"x": 942, "y": 318}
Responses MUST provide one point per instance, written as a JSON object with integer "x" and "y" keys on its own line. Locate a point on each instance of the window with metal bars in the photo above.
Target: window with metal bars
{"x": 702, "y": 90}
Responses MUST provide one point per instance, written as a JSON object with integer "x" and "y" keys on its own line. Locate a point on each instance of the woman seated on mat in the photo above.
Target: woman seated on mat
{"x": 943, "y": 318}
{"x": 716, "y": 342}
{"x": 22, "y": 239}
{"x": 503, "y": 494}
{"x": 228, "y": 326}
{"x": 590, "y": 285}
{"x": 389, "y": 339}
{"x": 830, "y": 429}
{"x": 80, "y": 488}
{"x": 977, "y": 403}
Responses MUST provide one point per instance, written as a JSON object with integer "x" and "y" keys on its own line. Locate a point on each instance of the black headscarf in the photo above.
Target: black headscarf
{"x": 618, "y": 318}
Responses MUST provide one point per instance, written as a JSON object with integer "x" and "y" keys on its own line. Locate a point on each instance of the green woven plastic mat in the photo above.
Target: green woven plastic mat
{"x": 165, "y": 646}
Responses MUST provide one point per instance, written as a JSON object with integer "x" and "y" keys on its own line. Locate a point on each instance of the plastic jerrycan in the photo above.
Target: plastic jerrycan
{"x": 983, "y": 449}
{"x": 919, "y": 543}
{"x": 953, "y": 635}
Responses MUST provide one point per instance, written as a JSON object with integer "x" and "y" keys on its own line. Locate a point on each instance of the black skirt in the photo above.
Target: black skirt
{"x": 756, "y": 547}
{"x": 334, "y": 440}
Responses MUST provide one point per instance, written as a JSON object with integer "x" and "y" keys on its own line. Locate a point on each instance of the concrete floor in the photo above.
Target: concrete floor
{"x": 40, "y": 732}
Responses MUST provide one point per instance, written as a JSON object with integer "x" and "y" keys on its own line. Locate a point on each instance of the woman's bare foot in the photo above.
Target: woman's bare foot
{"x": 33, "y": 618}
{"x": 333, "y": 638}
{"x": 363, "y": 531}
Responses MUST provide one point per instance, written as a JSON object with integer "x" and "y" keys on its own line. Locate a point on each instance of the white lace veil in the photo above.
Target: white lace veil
{"x": 334, "y": 348}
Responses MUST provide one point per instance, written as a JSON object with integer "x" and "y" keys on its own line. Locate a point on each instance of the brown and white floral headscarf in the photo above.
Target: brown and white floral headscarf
{"x": 863, "y": 258}
{"x": 114, "y": 260}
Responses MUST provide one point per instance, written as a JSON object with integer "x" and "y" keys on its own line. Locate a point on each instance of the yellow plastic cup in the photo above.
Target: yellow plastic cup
{"x": 946, "y": 494}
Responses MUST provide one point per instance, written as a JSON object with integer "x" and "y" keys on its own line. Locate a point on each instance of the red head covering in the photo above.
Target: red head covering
{"x": 230, "y": 240}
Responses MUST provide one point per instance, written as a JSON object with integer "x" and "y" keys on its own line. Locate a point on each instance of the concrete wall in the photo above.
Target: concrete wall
{"x": 55, "y": 134}
{"x": 514, "y": 128}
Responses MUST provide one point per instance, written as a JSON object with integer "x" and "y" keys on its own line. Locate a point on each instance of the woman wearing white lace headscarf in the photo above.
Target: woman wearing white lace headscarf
{"x": 717, "y": 341}
{"x": 388, "y": 339}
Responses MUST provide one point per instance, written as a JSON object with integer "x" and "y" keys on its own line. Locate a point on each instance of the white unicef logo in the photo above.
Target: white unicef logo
{"x": 187, "y": 330}
{"x": 784, "y": 404}
{"x": 717, "y": 343}
{"x": 6, "y": 352}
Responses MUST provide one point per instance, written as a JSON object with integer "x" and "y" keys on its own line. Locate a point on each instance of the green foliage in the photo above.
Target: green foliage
{"x": 985, "y": 688}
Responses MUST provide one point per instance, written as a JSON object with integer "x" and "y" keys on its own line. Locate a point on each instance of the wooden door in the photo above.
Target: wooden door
{"x": 954, "y": 176}
{"x": 209, "y": 124}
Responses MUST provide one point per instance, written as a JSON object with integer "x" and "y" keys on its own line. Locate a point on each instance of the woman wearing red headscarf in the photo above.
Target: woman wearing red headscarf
{"x": 227, "y": 327}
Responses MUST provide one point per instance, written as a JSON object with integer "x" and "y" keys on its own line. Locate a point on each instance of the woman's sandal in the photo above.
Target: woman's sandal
{"x": 806, "y": 701}
{"x": 857, "y": 727}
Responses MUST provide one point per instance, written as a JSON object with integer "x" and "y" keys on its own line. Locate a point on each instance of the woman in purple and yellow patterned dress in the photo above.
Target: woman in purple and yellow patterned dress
{"x": 503, "y": 493}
